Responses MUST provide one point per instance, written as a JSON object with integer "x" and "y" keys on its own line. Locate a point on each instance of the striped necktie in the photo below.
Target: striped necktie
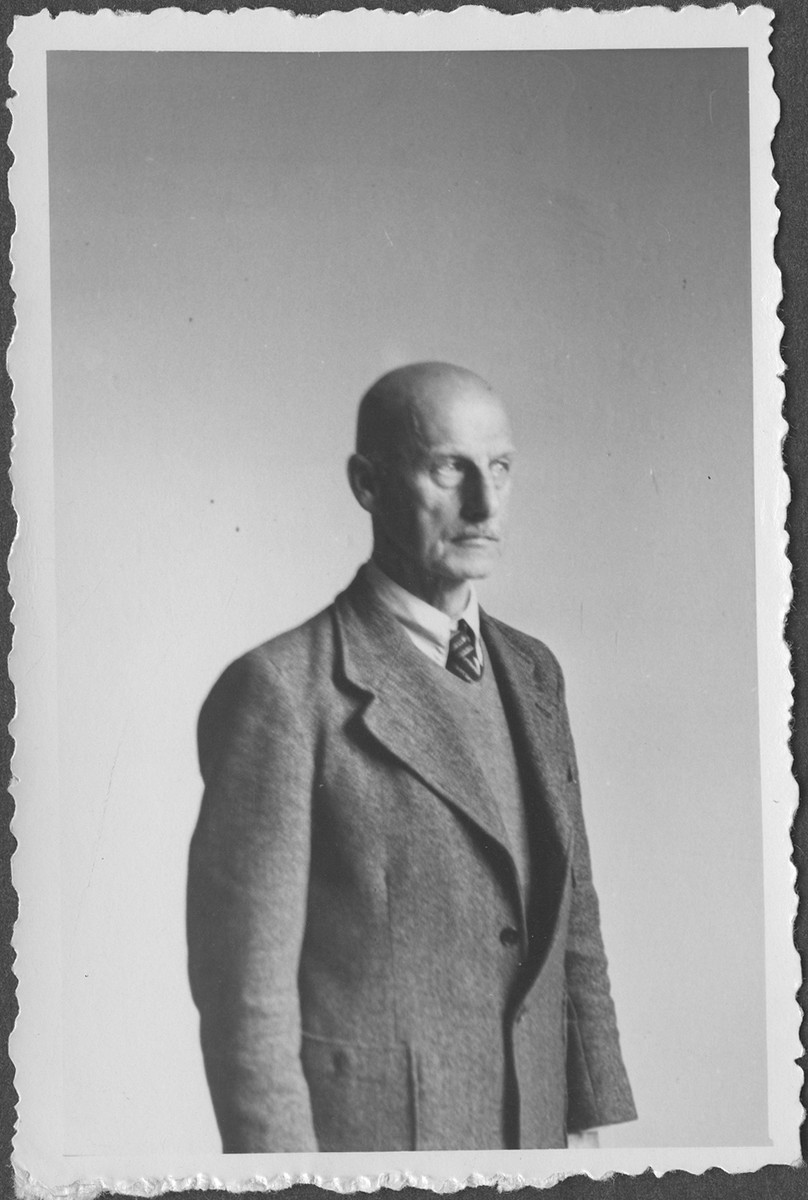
{"x": 463, "y": 660}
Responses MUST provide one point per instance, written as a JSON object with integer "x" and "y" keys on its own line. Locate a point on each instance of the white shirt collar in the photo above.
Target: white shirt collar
{"x": 427, "y": 627}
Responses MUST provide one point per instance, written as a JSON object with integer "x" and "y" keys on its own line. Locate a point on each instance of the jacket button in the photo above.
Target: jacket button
{"x": 508, "y": 936}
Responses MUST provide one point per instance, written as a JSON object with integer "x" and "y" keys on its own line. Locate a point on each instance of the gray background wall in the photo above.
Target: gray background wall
{"x": 240, "y": 244}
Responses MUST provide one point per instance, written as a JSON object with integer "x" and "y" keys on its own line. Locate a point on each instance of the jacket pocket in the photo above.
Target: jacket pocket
{"x": 460, "y": 1095}
{"x": 361, "y": 1096}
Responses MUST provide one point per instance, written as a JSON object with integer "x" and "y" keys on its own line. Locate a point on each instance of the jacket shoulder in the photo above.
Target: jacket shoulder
{"x": 296, "y": 650}
{"x": 290, "y": 661}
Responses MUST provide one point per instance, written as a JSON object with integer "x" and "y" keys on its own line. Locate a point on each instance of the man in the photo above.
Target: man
{"x": 394, "y": 937}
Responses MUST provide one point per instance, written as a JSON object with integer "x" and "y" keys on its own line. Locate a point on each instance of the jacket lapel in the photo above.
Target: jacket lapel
{"x": 531, "y": 704}
{"x": 405, "y": 710}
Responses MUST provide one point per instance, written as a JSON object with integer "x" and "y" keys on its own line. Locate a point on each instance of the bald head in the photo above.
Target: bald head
{"x": 395, "y": 410}
{"x": 432, "y": 467}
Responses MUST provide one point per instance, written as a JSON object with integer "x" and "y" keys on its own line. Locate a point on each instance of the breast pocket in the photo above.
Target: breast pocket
{"x": 361, "y": 1096}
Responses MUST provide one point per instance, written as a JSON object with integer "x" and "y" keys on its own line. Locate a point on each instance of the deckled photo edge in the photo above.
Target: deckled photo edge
{"x": 768, "y": 367}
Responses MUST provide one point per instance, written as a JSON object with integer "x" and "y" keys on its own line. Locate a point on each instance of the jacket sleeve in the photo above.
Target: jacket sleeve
{"x": 598, "y": 1088}
{"x": 246, "y": 913}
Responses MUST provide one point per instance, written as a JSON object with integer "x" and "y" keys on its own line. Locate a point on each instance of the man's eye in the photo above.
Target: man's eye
{"x": 501, "y": 469}
{"x": 448, "y": 472}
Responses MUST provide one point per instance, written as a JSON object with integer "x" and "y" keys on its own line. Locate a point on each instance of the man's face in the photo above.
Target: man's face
{"x": 443, "y": 501}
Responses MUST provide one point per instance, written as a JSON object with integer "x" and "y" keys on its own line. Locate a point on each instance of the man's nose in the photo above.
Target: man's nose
{"x": 481, "y": 498}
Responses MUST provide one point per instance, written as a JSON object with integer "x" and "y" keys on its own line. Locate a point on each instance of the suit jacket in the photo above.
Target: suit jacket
{"x": 366, "y": 974}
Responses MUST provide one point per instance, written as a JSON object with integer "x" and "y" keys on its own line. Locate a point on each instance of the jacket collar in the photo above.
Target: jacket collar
{"x": 530, "y": 697}
{"x": 429, "y": 628}
{"x": 406, "y": 712}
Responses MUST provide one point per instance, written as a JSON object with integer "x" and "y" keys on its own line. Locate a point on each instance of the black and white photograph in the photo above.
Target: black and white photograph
{"x": 402, "y": 770}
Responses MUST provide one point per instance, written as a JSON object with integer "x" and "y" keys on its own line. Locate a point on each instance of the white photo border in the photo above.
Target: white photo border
{"x": 41, "y": 1168}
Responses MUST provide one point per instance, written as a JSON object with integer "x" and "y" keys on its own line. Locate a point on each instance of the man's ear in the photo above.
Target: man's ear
{"x": 364, "y": 481}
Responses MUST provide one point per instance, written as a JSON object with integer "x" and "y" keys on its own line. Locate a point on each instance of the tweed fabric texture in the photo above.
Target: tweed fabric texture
{"x": 479, "y": 712}
{"x": 349, "y": 894}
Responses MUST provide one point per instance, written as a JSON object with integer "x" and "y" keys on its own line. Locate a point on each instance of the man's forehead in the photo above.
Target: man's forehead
{"x": 464, "y": 413}
{"x": 415, "y": 407}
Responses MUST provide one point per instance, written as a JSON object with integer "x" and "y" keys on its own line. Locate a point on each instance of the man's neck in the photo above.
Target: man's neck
{"x": 444, "y": 594}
